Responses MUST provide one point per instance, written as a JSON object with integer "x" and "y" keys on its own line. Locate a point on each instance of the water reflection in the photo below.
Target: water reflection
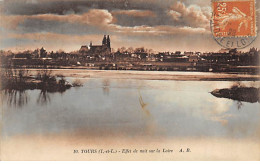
{"x": 20, "y": 98}
{"x": 239, "y": 105}
{"x": 16, "y": 98}
{"x": 106, "y": 86}
{"x": 135, "y": 107}
{"x": 43, "y": 98}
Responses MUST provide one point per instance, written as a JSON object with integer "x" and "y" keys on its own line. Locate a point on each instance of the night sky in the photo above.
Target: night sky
{"x": 161, "y": 25}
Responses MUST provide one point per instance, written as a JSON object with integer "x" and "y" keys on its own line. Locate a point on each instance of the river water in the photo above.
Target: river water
{"x": 131, "y": 108}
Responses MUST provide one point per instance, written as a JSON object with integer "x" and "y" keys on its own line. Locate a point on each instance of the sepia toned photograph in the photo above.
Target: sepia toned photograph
{"x": 129, "y": 80}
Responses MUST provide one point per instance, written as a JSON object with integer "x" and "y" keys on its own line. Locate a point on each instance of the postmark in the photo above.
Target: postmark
{"x": 233, "y": 23}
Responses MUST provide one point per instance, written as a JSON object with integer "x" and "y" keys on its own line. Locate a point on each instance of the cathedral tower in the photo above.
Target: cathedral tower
{"x": 108, "y": 42}
{"x": 104, "y": 42}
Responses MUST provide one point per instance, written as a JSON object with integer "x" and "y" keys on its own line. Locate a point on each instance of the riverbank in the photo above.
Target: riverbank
{"x": 154, "y": 75}
{"x": 142, "y": 66}
{"x": 13, "y": 79}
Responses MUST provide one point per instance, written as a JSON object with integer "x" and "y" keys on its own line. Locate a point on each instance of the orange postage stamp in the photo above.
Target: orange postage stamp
{"x": 234, "y": 18}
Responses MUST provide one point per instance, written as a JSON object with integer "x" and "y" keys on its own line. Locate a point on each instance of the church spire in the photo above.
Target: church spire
{"x": 108, "y": 42}
{"x": 104, "y": 42}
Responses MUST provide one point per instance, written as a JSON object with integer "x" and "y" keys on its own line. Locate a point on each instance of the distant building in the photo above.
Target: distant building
{"x": 193, "y": 58}
{"x": 103, "y": 49}
{"x": 83, "y": 49}
{"x": 223, "y": 50}
{"x": 92, "y": 50}
{"x": 188, "y": 53}
{"x": 233, "y": 51}
{"x": 177, "y": 53}
{"x": 253, "y": 51}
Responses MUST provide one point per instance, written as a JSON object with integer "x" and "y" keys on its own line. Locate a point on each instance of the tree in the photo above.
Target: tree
{"x": 122, "y": 49}
{"x": 130, "y": 50}
{"x": 43, "y": 53}
{"x": 141, "y": 49}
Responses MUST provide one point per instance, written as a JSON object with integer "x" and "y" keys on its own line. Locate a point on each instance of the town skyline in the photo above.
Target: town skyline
{"x": 113, "y": 50}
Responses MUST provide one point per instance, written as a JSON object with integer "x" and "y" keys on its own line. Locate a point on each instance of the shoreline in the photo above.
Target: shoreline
{"x": 152, "y": 75}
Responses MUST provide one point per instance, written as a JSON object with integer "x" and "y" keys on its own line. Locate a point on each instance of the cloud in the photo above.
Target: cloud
{"x": 193, "y": 15}
{"x": 12, "y": 21}
{"x": 33, "y": 7}
{"x": 223, "y": 119}
{"x": 136, "y": 22}
{"x": 156, "y": 30}
{"x": 31, "y": 2}
{"x": 175, "y": 15}
{"x": 135, "y": 13}
{"x": 95, "y": 17}
{"x": 103, "y": 19}
{"x": 220, "y": 110}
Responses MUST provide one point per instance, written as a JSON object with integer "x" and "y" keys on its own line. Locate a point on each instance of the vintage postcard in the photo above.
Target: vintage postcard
{"x": 129, "y": 80}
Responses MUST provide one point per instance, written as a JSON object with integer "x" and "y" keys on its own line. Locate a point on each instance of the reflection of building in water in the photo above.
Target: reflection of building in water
{"x": 103, "y": 49}
{"x": 106, "y": 85}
